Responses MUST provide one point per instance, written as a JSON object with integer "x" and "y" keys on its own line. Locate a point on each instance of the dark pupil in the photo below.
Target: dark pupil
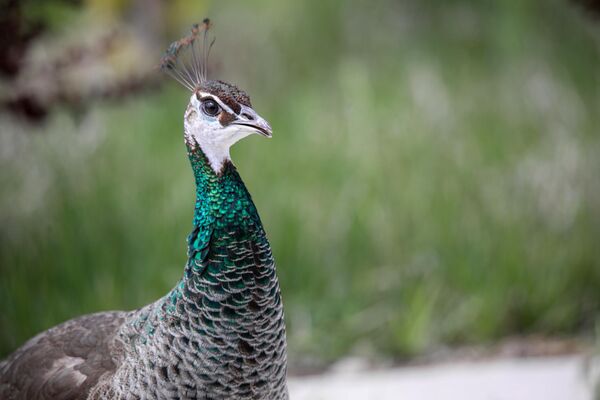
{"x": 210, "y": 107}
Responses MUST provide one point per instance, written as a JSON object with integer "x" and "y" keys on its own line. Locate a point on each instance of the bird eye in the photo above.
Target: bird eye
{"x": 210, "y": 107}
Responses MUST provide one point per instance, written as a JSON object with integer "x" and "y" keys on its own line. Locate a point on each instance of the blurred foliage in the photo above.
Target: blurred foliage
{"x": 52, "y": 14}
{"x": 432, "y": 180}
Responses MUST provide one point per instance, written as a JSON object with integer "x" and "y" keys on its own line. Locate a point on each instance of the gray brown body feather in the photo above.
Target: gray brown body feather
{"x": 65, "y": 362}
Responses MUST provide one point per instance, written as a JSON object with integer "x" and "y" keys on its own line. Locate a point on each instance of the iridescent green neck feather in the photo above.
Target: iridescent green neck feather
{"x": 224, "y": 208}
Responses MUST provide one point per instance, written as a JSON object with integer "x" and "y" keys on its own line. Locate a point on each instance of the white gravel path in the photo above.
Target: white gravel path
{"x": 553, "y": 378}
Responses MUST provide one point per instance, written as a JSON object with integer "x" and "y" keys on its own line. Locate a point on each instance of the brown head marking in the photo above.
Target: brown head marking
{"x": 229, "y": 94}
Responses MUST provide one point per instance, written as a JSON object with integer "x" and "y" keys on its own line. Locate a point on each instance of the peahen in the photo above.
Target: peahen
{"x": 219, "y": 333}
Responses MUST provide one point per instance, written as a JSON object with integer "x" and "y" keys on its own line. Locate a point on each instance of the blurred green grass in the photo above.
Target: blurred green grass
{"x": 432, "y": 180}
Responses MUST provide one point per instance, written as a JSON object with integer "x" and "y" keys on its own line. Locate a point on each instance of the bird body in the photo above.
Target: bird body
{"x": 218, "y": 334}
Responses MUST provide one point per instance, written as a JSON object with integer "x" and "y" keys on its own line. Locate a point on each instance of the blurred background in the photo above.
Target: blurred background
{"x": 432, "y": 183}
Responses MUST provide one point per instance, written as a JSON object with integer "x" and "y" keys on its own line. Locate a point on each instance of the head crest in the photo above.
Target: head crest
{"x": 186, "y": 60}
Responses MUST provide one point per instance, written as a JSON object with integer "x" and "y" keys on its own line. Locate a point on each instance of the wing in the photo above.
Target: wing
{"x": 64, "y": 362}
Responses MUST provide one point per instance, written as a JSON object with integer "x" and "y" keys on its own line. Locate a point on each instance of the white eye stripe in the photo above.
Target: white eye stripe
{"x": 215, "y": 98}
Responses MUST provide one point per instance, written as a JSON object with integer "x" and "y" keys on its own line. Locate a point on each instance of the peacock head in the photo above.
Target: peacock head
{"x": 218, "y": 114}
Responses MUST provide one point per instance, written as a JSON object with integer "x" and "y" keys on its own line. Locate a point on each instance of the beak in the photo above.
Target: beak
{"x": 248, "y": 117}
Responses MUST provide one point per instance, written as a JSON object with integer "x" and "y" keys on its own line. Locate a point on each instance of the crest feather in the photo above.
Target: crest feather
{"x": 186, "y": 60}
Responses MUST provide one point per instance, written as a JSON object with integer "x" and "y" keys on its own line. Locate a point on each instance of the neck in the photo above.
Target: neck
{"x": 223, "y": 209}
{"x": 223, "y": 206}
